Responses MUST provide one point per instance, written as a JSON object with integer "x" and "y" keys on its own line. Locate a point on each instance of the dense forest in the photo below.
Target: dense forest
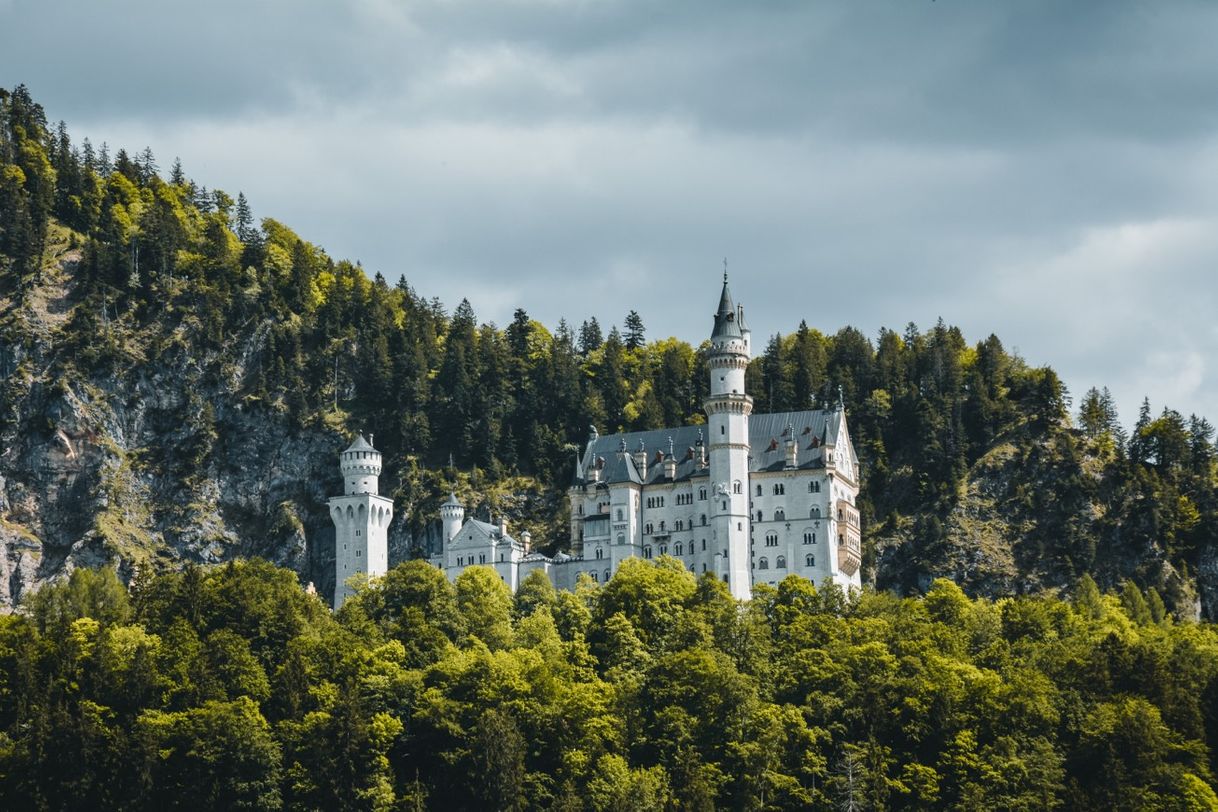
{"x": 231, "y": 688}
{"x": 114, "y": 272}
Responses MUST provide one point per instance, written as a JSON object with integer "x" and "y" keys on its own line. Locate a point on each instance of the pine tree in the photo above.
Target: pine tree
{"x": 104, "y": 167}
{"x": 635, "y": 334}
{"x": 245, "y": 220}
{"x": 590, "y": 338}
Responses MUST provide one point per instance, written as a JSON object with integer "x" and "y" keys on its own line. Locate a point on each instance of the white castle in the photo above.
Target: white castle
{"x": 748, "y": 498}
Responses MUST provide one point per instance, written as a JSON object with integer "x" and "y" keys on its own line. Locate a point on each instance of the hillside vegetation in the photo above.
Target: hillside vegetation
{"x": 231, "y": 688}
{"x": 178, "y": 378}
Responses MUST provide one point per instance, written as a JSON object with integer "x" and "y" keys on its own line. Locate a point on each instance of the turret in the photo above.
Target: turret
{"x": 361, "y": 465}
{"x": 452, "y": 515}
{"x": 640, "y": 459}
{"x": 670, "y": 462}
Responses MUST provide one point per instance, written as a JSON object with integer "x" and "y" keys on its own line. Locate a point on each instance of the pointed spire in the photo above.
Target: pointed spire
{"x": 840, "y": 402}
{"x": 726, "y": 325}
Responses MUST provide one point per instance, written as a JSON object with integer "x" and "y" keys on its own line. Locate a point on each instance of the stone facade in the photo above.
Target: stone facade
{"x": 749, "y": 498}
{"x": 361, "y": 519}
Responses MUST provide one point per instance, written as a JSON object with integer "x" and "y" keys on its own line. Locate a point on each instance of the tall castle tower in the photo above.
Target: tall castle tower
{"x": 727, "y": 412}
{"x": 452, "y": 514}
{"x": 361, "y": 519}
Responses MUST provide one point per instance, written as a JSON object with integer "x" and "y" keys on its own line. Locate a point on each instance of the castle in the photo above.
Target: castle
{"x": 749, "y": 498}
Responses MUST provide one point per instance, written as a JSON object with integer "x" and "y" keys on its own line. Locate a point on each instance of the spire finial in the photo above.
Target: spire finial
{"x": 725, "y": 270}
{"x": 840, "y": 401}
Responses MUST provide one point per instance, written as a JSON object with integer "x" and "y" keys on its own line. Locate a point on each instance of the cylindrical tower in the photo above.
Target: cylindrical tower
{"x": 361, "y": 465}
{"x": 452, "y": 514}
{"x": 361, "y": 519}
{"x": 727, "y": 411}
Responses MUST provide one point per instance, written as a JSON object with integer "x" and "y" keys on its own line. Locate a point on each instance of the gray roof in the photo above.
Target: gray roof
{"x": 360, "y": 444}
{"x": 768, "y": 434}
{"x": 491, "y": 530}
{"x": 726, "y": 325}
{"x": 452, "y": 499}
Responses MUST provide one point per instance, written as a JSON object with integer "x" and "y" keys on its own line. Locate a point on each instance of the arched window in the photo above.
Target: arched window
{"x": 763, "y": 564}
{"x": 815, "y": 512}
{"x": 809, "y": 560}
{"x": 606, "y": 576}
{"x": 646, "y": 552}
{"x": 621, "y": 538}
{"x": 663, "y": 549}
{"x": 680, "y": 548}
{"x": 704, "y": 520}
{"x": 594, "y": 578}
{"x": 778, "y": 490}
{"x": 619, "y": 514}
{"x": 600, "y": 553}
{"x": 813, "y": 487}
{"x": 703, "y": 545}
{"x": 781, "y": 563}
{"x": 809, "y": 537}
{"x": 759, "y": 516}
{"x": 771, "y": 539}
{"x": 759, "y": 490}
{"x": 702, "y": 494}
{"x": 780, "y": 515}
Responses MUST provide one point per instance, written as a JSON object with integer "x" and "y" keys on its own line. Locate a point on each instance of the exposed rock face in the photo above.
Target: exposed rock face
{"x": 1021, "y": 525}
{"x": 154, "y": 462}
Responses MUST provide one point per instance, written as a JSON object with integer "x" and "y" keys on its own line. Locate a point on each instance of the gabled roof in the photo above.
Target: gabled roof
{"x": 486, "y": 530}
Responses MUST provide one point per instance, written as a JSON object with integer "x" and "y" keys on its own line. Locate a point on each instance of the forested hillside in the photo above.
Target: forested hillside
{"x": 230, "y": 688}
{"x": 179, "y": 376}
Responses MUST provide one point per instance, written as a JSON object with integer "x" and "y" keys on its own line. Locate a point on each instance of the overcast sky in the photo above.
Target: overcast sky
{"x": 1045, "y": 171}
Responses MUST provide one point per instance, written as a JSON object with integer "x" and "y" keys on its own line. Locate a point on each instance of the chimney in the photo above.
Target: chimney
{"x": 670, "y": 462}
{"x": 503, "y": 525}
{"x": 526, "y": 538}
{"x": 792, "y": 447}
{"x": 640, "y": 459}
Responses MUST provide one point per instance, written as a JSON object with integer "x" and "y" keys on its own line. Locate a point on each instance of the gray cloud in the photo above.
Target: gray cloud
{"x": 1039, "y": 170}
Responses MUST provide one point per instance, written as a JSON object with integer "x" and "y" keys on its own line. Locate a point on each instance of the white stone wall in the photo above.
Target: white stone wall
{"x": 361, "y": 524}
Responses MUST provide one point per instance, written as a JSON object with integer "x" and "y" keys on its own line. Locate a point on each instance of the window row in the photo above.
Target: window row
{"x": 781, "y": 562}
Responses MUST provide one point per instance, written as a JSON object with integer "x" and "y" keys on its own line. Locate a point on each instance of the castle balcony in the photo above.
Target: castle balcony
{"x": 849, "y": 538}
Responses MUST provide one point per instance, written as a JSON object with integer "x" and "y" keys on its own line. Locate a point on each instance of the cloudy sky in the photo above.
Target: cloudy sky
{"x": 1045, "y": 171}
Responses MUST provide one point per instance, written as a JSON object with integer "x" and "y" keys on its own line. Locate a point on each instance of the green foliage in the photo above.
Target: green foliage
{"x": 232, "y": 688}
